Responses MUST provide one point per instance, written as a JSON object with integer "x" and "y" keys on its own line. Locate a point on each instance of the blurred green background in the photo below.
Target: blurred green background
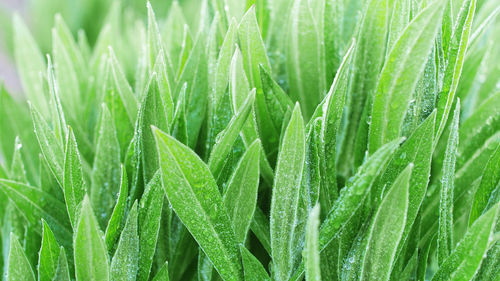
{"x": 87, "y": 15}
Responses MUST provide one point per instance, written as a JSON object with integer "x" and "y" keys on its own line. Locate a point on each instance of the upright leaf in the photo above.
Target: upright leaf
{"x": 386, "y": 230}
{"x": 73, "y": 184}
{"x": 445, "y": 231}
{"x": 49, "y": 255}
{"x": 125, "y": 260}
{"x": 254, "y": 271}
{"x": 466, "y": 258}
{"x": 150, "y": 207}
{"x": 116, "y": 219}
{"x": 194, "y": 196}
{"x": 19, "y": 268}
{"x": 91, "y": 255}
{"x": 106, "y": 170}
{"x": 400, "y": 74}
{"x": 305, "y": 56}
{"x": 311, "y": 251}
{"x": 285, "y": 197}
{"x": 240, "y": 197}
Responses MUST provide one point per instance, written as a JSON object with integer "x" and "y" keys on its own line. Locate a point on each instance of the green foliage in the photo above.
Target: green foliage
{"x": 252, "y": 140}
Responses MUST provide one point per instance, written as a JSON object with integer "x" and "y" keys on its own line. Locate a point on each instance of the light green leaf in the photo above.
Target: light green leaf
{"x": 91, "y": 255}
{"x": 456, "y": 54}
{"x": 489, "y": 182}
{"x": 152, "y": 112}
{"x": 50, "y": 145}
{"x": 445, "y": 230}
{"x": 125, "y": 260}
{"x": 260, "y": 227}
{"x": 62, "y": 271}
{"x": 285, "y": 197}
{"x": 386, "y": 230}
{"x": 73, "y": 184}
{"x": 150, "y": 207}
{"x": 254, "y": 271}
{"x": 305, "y": 56}
{"x": 466, "y": 258}
{"x": 19, "y": 268}
{"x": 187, "y": 179}
{"x": 311, "y": 251}
{"x": 106, "y": 170}
{"x": 356, "y": 190}
{"x": 123, "y": 88}
{"x": 116, "y": 219}
{"x": 240, "y": 196}
{"x": 400, "y": 74}
{"x": 36, "y": 204}
{"x": 30, "y": 65}
{"x": 49, "y": 255}
{"x": 226, "y": 138}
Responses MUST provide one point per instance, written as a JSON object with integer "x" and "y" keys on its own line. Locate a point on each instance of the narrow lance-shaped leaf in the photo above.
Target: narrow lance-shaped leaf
{"x": 240, "y": 197}
{"x": 125, "y": 260}
{"x": 305, "y": 56}
{"x": 73, "y": 184}
{"x": 456, "y": 54}
{"x": 400, "y": 74}
{"x": 187, "y": 179}
{"x": 386, "y": 230}
{"x": 162, "y": 274}
{"x": 30, "y": 63}
{"x": 48, "y": 256}
{"x": 116, "y": 219}
{"x": 356, "y": 190}
{"x": 445, "y": 231}
{"x": 50, "y": 145}
{"x": 254, "y": 271}
{"x": 466, "y": 258}
{"x": 62, "y": 270}
{"x": 311, "y": 251}
{"x": 91, "y": 255}
{"x": 489, "y": 182}
{"x": 19, "y": 268}
{"x": 227, "y": 137}
{"x": 285, "y": 198}
{"x": 106, "y": 170}
{"x": 150, "y": 207}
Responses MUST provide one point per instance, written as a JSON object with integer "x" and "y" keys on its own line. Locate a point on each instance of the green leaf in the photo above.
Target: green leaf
{"x": 226, "y": 138}
{"x": 489, "y": 182}
{"x": 260, "y": 227}
{"x": 456, "y": 54}
{"x": 150, "y": 207}
{"x": 73, "y": 184}
{"x": 152, "y": 112}
{"x": 49, "y": 255}
{"x": 30, "y": 65}
{"x": 254, "y": 271}
{"x": 125, "y": 260}
{"x": 285, "y": 197}
{"x": 116, "y": 219}
{"x": 36, "y": 204}
{"x": 162, "y": 274}
{"x": 91, "y": 255}
{"x": 194, "y": 196}
{"x": 386, "y": 230}
{"x": 311, "y": 251}
{"x": 356, "y": 190}
{"x": 466, "y": 258}
{"x": 240, "y": 197}
{"x": 19, "y": 268}
{"x": 400, "y": 74}
{"x": 62, "y": 271}
{"x": 50, "y": 145}
{"x": 305, "y": 56}
{"x": 445, "y": 230}
{"x": 106, "y": 170}
{"x": 370, "y": 50}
